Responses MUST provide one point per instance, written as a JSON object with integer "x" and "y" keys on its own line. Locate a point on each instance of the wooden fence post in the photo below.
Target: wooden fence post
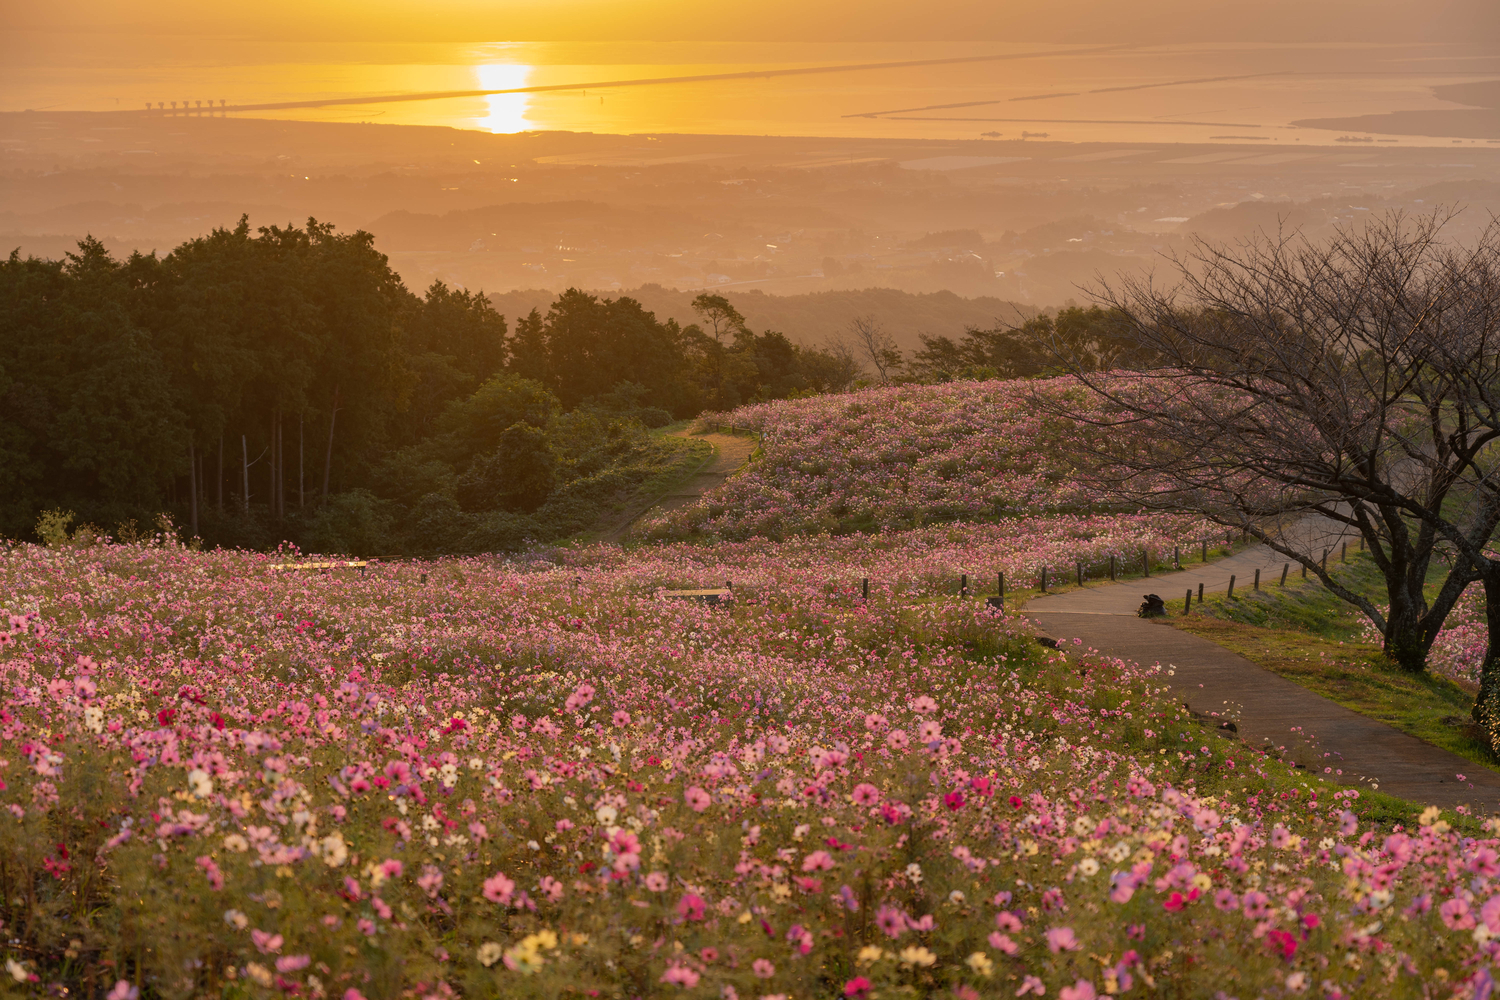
{"x": 1257, "y": 578}
{"x": 1187, "y": 605}
{"x": 1044, "y": 579}
{"x": 1000, "y": 588}
{"x": 1284, "y": 568}
{"x": 1111, "y": 567}
{"x": 1205, "y": 551}
{"x": 1344, "y": 553}
{"x": 1231, "y": 586}
{"x": 963, "y": 585}
{"x": 865, "y": 589}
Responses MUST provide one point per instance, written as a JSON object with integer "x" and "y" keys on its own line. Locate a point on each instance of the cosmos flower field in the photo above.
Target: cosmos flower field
{"x": 545, "y": 778}
{"x": 890, "y": 458}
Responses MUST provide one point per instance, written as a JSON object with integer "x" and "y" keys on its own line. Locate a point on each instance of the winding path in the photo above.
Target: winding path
{"x": 1268, "y": 709}
{"x": 731, "y": 452}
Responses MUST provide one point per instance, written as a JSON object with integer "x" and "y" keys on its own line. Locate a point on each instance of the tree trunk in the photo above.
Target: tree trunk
{"x": 219, "y": 482}
{"x": 245, "y": 468}
{"x": 301, "y": 467}
{"x": 193, "y": 485}
{"x": 328, "y": 456}
{"x": 1404, "y": 642}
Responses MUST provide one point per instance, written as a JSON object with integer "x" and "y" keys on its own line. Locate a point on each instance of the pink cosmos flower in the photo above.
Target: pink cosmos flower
{"x": 680, "y": 975}
{"x": 1003, "y": 943}
{"x": 621, "y": 718}
{"x": 123, "y": 991}
{"x": 1007, "y": 921}
{"x": 891, "y": 920}
{"x": 551, "y": 888}
{"x": 897, "y": 739}
{"x": 929, "y": 731}
{"x": 1031, "y": 984}
{"x": 265, "y": 943}
{"x": 498, "y": 888}
{"x": 1062, "y": 939}
{"x": 391, "y": 868}
{"x": 353, "y": 994}
{"x": 1225, "y": 900}
{"x": 858, "y": 988}
{"x": 291, "y": 963}
{"x": 691, "y": 907}
{"x": 1456, "y": 915}
{"x": 817, "y": 861}
{"x": 865, "y": 794}
{"x": 762, "y": 968}
{"x": 1081, "y": 990}
{"x": 657, "y": 882}
{"x": 1256, "y": 905}
{"x": 1490, "y": 914}
{"x": 875, "y": 722}
{"x": 697, "y": 799}
{"x": 923, "y": 705}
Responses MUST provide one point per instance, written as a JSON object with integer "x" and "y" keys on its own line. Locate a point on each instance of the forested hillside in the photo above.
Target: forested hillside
{"x": 282, "y": 384}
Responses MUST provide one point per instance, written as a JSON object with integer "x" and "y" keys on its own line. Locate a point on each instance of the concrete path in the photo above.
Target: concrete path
{"x": 1268, "y": 709}
{"x": 731, "y": 452}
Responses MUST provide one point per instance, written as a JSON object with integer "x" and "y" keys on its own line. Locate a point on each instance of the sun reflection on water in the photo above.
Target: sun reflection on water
{"x": 507, "y": 112}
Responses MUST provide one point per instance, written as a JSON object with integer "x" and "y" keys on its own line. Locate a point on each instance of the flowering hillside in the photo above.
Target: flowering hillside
{"x": 890, "y": 458}
{"x": 547, "y": 779}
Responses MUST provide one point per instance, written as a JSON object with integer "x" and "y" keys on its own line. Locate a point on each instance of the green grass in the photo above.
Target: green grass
{"x": 680, "y": 459}
{"x": 1305, "y": 633}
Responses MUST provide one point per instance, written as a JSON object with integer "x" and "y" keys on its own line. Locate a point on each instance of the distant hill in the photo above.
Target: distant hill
{"x": 809, "y": 318}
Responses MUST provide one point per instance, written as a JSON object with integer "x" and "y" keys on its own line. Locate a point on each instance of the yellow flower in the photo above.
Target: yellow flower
{"x": 917, "y": 955}
{"x": 981, "y": 964}
{"x": 489, "y": 953}
{"x": 868, "y": 955}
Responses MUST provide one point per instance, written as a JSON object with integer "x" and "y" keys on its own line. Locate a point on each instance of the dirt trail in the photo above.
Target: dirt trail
{"x": 731, "y": 452}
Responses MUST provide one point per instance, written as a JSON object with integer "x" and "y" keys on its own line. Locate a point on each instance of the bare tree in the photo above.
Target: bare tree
{"x": 874, "y": 345}
{"x": 1308, "y": 393}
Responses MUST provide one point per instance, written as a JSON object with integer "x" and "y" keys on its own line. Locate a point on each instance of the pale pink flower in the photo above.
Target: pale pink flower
{"x": 697, "y": 799}
{"x": 1061, "y": 939}
{"x": 817, "y": 861}
{"x": 897, "y": 739}
{"x": 291, "y": 963}
{"x": 657, "y": 882}
{"x": 763, "y": 968}
{"x": 498, "y": 888}
{"x": 680, "y": 975}
{"x": 865, "y": 794}
{"x": 264, "y": 942}
{"x": 1081, "y": 990}
{"x": 1003, "y": 943}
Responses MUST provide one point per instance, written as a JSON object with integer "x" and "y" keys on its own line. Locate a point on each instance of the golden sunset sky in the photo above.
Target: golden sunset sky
{"x": 1131, "y": 21}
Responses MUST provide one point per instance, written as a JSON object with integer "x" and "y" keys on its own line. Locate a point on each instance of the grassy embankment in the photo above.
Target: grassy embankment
{"x": 1306, "y": 634}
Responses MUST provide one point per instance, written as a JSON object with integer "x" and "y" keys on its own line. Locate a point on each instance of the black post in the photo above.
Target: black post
{"x": 1080, "y": 574}
{"x": 424, "y": 577}
{"x": 1111, "y": 567}
{"x": 1205, "y": 550}
{"x": 865, "y": 589}
{"x": 1304, "y": 571}
{"x": 1200, "y": 593}
{"x": 1257, "y": 579}
{"x": 1231, "y": 586}
{"x": 963, "y": 585}
{"x": 1000, "y": 588}
{"x": 1177, "y": 556}
{"x": 1187, "y": 605}
{"x": 1284, "y": 568}
{"x": 1344, "y": 553}
{"x": 1044, "y": 579}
